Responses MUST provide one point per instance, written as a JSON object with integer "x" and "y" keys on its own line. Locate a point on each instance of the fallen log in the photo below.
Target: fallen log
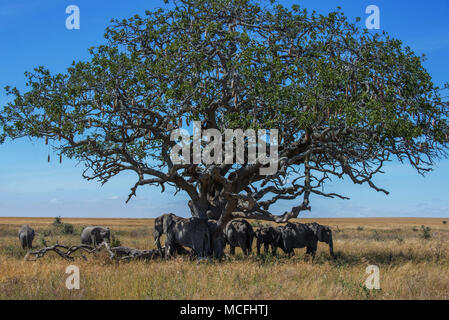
{"x": 127, "y": 254}
{"x": 115, "y": 253}
{"x": 34, "y": 255}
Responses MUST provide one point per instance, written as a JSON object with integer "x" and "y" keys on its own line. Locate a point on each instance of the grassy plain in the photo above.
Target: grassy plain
{"x": 411, "y": 266}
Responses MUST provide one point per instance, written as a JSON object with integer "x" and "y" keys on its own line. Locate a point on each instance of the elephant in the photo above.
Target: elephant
{"x": 217, "y": 240}
{"x": 297, "y": 235}
{"x": 323, "y": 234}
{"x": 268, "y": 236}
{"x": 95, "y": 235}
{"x": 159, "y": 231}
{"x": 239, "y": 233}
{"x": 26, "y": 236}
{"x": 192, "y": 232}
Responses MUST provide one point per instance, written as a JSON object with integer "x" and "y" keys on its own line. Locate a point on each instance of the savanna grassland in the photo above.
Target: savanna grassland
{"x": 413, "y": 263}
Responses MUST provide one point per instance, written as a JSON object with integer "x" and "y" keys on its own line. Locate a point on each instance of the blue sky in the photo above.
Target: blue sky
{"x": 33, "y": 33}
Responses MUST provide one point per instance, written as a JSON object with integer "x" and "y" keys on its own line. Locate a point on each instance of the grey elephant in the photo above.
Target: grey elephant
{"x": 239, "y": 233}
{"x": 298, "y": 235}
{"x": 26, "y": 236}
{"x": 159, "y": 231}
{"x": 95, "y": 235}
{"x": 268, "y": 236}
{"x": 323, "y": 234}
{"x": 193, "y": 233}
{"x": 217, "y": 240}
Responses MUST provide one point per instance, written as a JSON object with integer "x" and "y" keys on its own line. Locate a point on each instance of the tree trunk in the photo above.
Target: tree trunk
{"x": 227, "y": 216}
{"x": 198, "y": 209}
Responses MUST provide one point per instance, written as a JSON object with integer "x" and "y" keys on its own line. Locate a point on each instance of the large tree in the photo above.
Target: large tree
{"x": 345, "y": 102}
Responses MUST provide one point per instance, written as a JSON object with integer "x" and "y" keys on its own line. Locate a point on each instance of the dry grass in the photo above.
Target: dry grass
{"x": 410, "y": 267}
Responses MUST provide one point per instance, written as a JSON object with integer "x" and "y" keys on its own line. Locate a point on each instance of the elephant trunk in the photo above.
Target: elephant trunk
{"x": 331, "y": 247}
{"x": 157, "y": 241}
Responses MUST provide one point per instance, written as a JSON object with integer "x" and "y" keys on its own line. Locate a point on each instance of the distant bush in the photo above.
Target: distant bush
{"x": 57, "y": 222}
{"x": 415, "y": 229}
{"x": 425, "y": 232}
{"x": 359, "y": 228}
{"x": 63, "y": 228}
{"x": 444, "y": 222}
{"x": 67, "y": 228}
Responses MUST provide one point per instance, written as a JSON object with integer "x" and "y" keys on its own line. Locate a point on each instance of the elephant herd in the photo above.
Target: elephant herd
{"x": 206, "y": 239}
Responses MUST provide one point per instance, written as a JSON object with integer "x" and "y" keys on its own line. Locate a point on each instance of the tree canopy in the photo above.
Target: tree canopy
{"x": 344, "y": 100}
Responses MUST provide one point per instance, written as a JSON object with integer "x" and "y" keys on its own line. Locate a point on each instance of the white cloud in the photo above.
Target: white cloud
{"x": 55, "y": 201}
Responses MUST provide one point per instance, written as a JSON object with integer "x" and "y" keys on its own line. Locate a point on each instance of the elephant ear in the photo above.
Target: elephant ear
{"x": 319, "y": 232}
{"x": 168, "y": 221}
{"x": 99, "y": 231}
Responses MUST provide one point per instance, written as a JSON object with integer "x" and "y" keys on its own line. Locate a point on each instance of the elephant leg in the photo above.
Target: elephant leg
{"x": 198, "y": 247}
{"x": 310, "y": 252}
{"x": 169, "y": 251}
{"x": 181, "y": 250}
{"x": 265, "y": 247}
{"x": 170, "y": 247}
{"x": 244, "y": 246}
{"x": 311, "y": 249}
{"x": 273, "y": 249}
{"x": 258, "y": 247}
{"x": 158, "y": 244}
{"x": 313, "y": 252}
{"x": 94, "y": 240}
{"x": 232, "y": 249}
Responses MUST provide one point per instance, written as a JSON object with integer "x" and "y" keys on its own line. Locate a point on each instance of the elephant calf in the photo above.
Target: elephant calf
{"x": 26, "y": 236}
{"x": 268, "y": 236}
{"x": 95, "y": 235}
{"x": 239, "y": 233}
